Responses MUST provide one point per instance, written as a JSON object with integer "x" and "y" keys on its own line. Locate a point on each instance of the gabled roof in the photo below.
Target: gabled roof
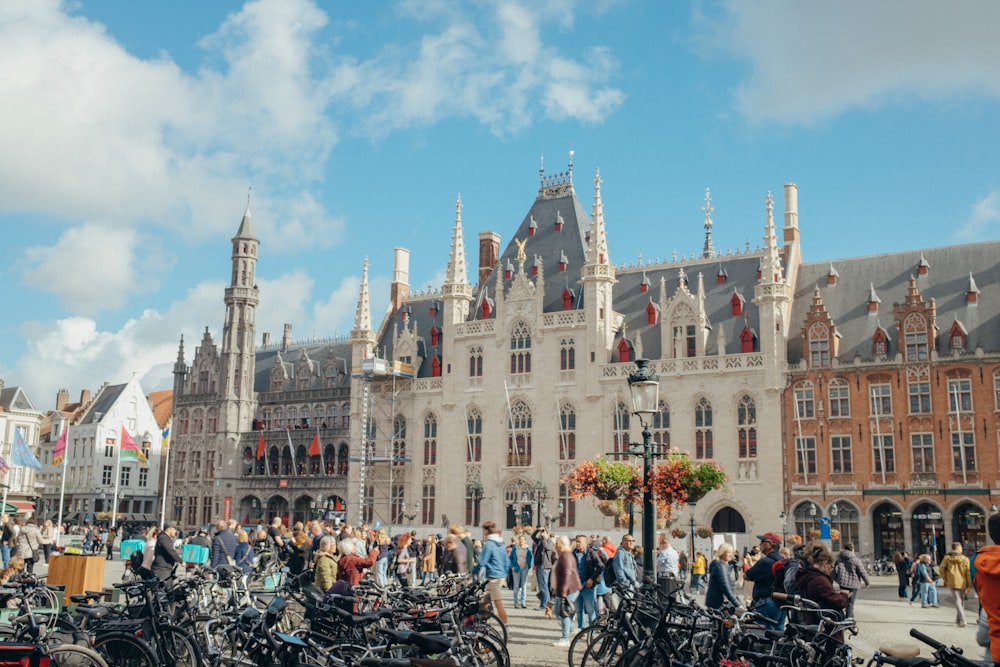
{"x": 320, "y": 352}
{"x": 14, "y": 398}
{"x": 946, "y": 281}
{"x": 102, "y": 404}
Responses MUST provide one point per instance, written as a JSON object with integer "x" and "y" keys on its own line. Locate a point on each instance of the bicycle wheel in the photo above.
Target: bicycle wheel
{"x": 578, "y": 645}
{"x": 70, "y": 655}
{"x": 122, "y": 649}
{"x": 176, "y": 646}
{"x": 604, "y": 650}
{"x": 645, "y": 656}
{"x": 495, "y": 623}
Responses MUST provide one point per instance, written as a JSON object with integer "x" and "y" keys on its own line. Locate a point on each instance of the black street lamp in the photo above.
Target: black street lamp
{"x": 784, "y": 521}
{"x": 540, "y": 494}
{"x": 644, "y": 385}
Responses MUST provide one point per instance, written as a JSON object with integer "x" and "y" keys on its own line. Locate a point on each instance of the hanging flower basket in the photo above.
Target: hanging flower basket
{"x": 814, "y": 534}
{"x": 704, "y": 532}
{"x": 613, "y": 508}
{"x": 604, "y": 480}
{"x": 679, "y": 534}
{"x": 794, "y": 539}
{"x": 834, "y": 534}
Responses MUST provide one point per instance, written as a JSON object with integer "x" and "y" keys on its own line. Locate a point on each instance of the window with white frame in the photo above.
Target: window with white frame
{"x": 920, "y": 397}
{"x": 880, "y": 395}
{"x": 805, "y": 455}
{"x": 960, "y": 395}
{"x": 884, "y": 453}
{"x": 805, "y": 401}
{"x": 922, "y": 452}
{"x": 963, "y": 451}
{"x": 840, "y": 398}
{"x": 840, "y": 454}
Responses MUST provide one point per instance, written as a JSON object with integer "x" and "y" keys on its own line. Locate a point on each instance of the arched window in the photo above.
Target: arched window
{"x": 198, "y": 421}
{"x": 746, "y": 424}
{"x": 567, "y": 433}
{"x": 520, "y": 349}
{"x": 819, "y": 345}
{"x": 915, "y": 337}
{"x": 619, "y": 431}
{"x": 476, "y": 362}
{"x": 703, "y": 439}
{"x": 399, "y": 440}
{"x": 474, "y": 447}
{"x": 430, "y": 440}
{"x": 428, "y": 510}
{"x": 519, "y": 436}
{"x": 567, "y": 355}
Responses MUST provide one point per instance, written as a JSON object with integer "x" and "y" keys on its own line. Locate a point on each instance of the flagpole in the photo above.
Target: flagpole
{"x": 62, "y": 488}
{"x": 166, "y": 475}
{"x": 118, "y": 477}
{"x": 6, "y": 486}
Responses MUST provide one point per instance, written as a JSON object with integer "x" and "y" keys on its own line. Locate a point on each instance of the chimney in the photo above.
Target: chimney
{"x": 84, "y": 398}
{"x": 489, "y": 254}
{"x": 265, "y": 339}
{"x": 400, "y": 289}
{"x": 286, "y": 339}
{"x": 62, "y": 398}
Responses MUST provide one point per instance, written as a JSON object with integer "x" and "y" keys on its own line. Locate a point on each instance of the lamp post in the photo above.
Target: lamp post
{"x": 691, "y": 556}
{"x": 784, "y": 532}
{"x": 644, "y": 385}
{"x": 475, "y": 491}
{"x": 541, "y": 493}
{"x": 410, "y": 516}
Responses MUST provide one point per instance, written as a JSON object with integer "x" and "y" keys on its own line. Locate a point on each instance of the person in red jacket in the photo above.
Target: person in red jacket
{"x": 987, "y": 583}
{"x": 351, "y": 567}
{"x": 816, "y": 583}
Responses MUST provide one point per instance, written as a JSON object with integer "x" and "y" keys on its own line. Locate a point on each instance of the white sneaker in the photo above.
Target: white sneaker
{"x": 562, "y": 642}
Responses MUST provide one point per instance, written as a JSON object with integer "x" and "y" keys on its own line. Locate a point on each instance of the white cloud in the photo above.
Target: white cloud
{"x": 91, "y": 268}
{"x": 983, "y": 221}
{"x": 810, "y": 61}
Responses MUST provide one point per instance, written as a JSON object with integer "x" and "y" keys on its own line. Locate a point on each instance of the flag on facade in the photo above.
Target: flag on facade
{"x": 130, "y": 450}
{"x": 166, "y": 437}
{"x": 20, "y": 455}
{"x": 291, "y": 448}
{"x": 260, "y": 446}
{"x": 4, "y": 468}
{"x": 314, "y": 445}
{"x": 59, "y": 455}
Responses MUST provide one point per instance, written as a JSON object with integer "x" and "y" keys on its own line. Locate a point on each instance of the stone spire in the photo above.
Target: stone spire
{"x": 709, "y": 250}
{"x": 771, "y": 262}
{"x": 246, "y": 225}
{"x": 363, "y": 314}
{"x": 457, "y": 273}
{"x": 597, "y": 251}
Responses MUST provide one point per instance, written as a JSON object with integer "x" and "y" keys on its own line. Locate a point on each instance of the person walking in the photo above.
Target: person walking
{"x": 521, "y": 560}
{"x": 566, "y": 586}
{"x": 223, "y": 545}
{"x": 624, "y": 562}
{"x": 404, "y": 559}
{"x": 667, "y": 558}
{"x": 325, "y": 563}
{"x": 165, "y": 557}
{"x": 48, "y": 536}
{"x": 29, "y": 543}
{"x": 849, "y": 572}
{"x": 544, "y": 559}
{"x": 722, "y": 580}
{"x": 902, "y": 563}
{"x": 699, "y": 568}
{"x": 493, "y": 564}
{"x": 955, "y": 575}
{"x": 429, "y": 561}
{"x": 244, "y": 555}
{"x": 928, "y": 587}
{"x": 590, "y": 568}
{"x": 987, "y": 582}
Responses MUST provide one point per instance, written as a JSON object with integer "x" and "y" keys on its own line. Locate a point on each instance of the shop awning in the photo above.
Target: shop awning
{"x": 15, "y": 507}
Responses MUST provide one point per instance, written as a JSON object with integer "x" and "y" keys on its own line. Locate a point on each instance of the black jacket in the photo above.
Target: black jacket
{"x": 164, "y": 556}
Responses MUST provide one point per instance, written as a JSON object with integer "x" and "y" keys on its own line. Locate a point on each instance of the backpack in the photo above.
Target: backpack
{"x": 778, "y": 576}
{"x": 609, "y": 573}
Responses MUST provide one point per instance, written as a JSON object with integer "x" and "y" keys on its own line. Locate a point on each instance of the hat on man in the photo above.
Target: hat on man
{"x": 770, "y": 537}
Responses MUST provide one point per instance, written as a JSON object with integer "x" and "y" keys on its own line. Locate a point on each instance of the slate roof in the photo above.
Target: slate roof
{"x": 105, "y": 399}
{"x": 319, "y": 352}
{"x": 741, "y": 276}
{"x": 14, "y": 398}
{"x": 946, "y": 281}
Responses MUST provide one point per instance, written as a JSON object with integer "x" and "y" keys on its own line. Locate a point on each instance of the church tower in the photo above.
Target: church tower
{"x": 238, "y": 333}
{"x": 772, "y": 294}
{"x": 598, "y": 279}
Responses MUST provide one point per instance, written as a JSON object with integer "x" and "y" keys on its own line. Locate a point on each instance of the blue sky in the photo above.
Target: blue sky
{"x": 132, "y": 132}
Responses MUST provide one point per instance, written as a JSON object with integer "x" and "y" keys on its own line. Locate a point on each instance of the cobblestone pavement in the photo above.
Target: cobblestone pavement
{"x": 882, "y": 619}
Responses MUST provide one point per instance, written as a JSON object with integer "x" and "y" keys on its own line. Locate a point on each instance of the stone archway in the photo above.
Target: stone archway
{"x": 728, "y": 520}
{"x": 968, "y": 526}
{"x": 277, "y": 506}
{"x": 887, "y": 530}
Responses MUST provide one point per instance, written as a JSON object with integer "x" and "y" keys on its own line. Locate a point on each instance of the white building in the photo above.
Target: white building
{"x": 18, "y": 415}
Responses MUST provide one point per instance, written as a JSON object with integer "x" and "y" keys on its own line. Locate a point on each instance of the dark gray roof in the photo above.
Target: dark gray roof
{"x": 320, "y": 353}
{"x": 946, "y": 281}
{"x": 103, "y": 403}
{"x": 14, "y": 398}
{"x": 415, "y": 312}
{"x": 550, "y": 245}
{"x": 741, "y": 276}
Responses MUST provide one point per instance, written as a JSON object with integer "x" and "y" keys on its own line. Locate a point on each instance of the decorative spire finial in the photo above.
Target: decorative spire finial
{"x": 709, "y": 249}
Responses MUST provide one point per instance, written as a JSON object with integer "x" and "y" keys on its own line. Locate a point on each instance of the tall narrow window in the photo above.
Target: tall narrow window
{"x": 519, "y": 436}
{"x": 746, "y": 427}
{"x": 840, "y": 454}
{"x": 996, "y": 391}
{"x": 661, "y": 427}
{"x": 881, "y": 399}
{"x": 703, "y": 440}
{"x": 427, "y": 505}
{"x": 620, "y": 427}
{"x": 476, "y": 362}
{"x": 915, "y": 337}
{"x": 963, "y": 451}
{"x": 567, "y": 354}
{"x": 922, "y": 452}
{"x": 520, "y": 349}
{"x": 805, "y": 455}
{"x": 567, "y": 433}
{"x": 399, "y": 440}
{"x": 567, "y": 508}
{"x": 960, "y": 395}
{"x": 430, "y": 440}
{"x": 885, "y": 455}
{"x": 920, "y": 397}
{"x": 805, "y": 403}
{"x": 819, "y": 346}
{"x": 474, "y": 446}
{"x": 840, "y": 398}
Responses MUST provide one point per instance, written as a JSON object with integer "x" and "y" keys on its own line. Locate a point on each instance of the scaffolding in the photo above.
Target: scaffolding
{"x": 379, "y": 501}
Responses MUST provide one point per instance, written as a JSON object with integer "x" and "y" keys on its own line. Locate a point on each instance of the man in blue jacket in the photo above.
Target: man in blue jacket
{"x": 493, "y": 564}
{"x": 762, "y": 576}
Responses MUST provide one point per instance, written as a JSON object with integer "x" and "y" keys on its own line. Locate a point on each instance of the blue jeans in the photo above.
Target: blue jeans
{"x": 542, "y": 577}
{"x": 5, "y": 552}
{"x": 696, "y": 581}
{"x": 567, "y": 623}
{"x": 770, "y": 610}
{"x": 520, "y": 578}
{"x": 428, "y": 575}
{"x": 382, "y": 572}
{"x": 928, "y": 593}
{"x": 587, "y": 605}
